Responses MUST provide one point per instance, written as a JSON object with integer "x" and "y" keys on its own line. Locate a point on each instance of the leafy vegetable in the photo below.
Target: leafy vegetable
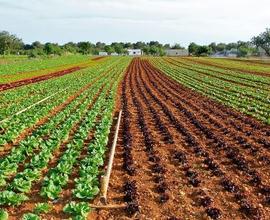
{"x": 30, "y": 216}
{"x": 3, "y": 214}
{"x": 42, "y": 208}
{"x": 77, "y": 210}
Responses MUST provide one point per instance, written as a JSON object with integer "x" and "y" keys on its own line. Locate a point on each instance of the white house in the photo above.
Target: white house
{"x": 102, "y": 53}
{"x": 114, "y": 54}
{"x": 134, "y": 52}
{"x": 176, "y": 52}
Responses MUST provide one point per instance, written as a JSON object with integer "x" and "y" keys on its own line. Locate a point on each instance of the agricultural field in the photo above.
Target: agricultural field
{"x": 25, "y": 69}
{"x": 193, "y": 142}
{"x": 247, "y": 92}
{"x": 12, "y": 59}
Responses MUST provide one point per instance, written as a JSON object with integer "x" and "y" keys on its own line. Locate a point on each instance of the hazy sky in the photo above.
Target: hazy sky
{"x": 168, "y": 21}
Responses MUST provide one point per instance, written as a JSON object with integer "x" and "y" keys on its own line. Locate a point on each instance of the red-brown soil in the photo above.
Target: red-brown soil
{"x": 23, "y": 82}
{"x": 182, "y": 155}
{"x": 98, "y": 58}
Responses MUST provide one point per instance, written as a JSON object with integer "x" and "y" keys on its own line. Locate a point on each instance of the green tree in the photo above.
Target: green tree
{"x": 230, "y": 46}
{"x": 243, "y": 44}
{"x": 177, "y": 46}
{"x": 109, "y": 49}
{"x": 52, "y": 49}
{"x": 192, "y": 48}
{"x": 203, "y": 51}
{"x": 155, "y": 43}
{"x": 70, "y": 47}
{"x": 221, "y": 47}
{"x": 36, "y": 50}
{"x": 118, "y": 48}
{"x": 139, "y": 45}
{"x": 146, "y": 50}
{"x": 37, "y": 44}
{"x": 263, "y": 41}
{"x": 9, "y": 44}
{"x": 213, "y": 47}
{"x": 128, "y": 45}
{"x": 85, "y": 47}
{"x": 243, "y": 51}
{"x": 161, "y": 51}
{"x": 167, "y": 46}
{"x": 100, "y": 46}
{"x": 154, "y": 50}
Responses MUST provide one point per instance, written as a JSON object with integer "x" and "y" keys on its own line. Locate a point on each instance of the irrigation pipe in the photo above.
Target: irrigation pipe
{"x": 106, "y": 178}
{"x": 31, "y": 106}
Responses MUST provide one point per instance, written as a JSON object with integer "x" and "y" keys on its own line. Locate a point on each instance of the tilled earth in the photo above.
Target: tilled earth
{"x": 182, "y": 155}
{"x": 36, "y": 79}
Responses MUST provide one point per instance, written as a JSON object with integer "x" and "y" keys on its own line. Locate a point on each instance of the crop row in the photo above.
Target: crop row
{"x": 232, "y": 153}
{"x": 235, "y": 65}
{"x": 41, "y": 146}
{"x": 192, "y": 176}
{"x": 157, "y": 168}
{"x": 241, "y": 140}
{"x": 37, "y": 67}
{"x": 14, "y": 100}
{"x": 10, "y": 129}
{"x": 9, "y": 163}
{"x": 86, "y": 184}
{"x": 247, "y": 81}
{"x": 238, "y": 98}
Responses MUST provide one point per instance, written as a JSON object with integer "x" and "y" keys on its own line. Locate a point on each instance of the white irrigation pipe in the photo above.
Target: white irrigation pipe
{"x": 31, "y": 106}
{"x": 106, "y": 178}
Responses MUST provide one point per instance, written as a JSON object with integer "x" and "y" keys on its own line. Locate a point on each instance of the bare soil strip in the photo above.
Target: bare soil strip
{"x": 24, "y": 82}
{"x": 191, "y": 156}
{"x": 98, "y": 58}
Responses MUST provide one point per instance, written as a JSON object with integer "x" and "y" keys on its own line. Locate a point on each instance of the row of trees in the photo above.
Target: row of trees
{"x": 240, "y": 48}
{"x": 11, "y": 44}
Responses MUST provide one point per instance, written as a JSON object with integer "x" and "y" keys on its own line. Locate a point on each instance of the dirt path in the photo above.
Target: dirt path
{"x": 24, "y": 82}
{"x": 184, "y": 156}
{"x": 98, "y": 58}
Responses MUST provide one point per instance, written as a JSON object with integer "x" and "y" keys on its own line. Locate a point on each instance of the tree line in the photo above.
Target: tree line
{"x": 11, "y": 44}
{"x": 258, "y": 44}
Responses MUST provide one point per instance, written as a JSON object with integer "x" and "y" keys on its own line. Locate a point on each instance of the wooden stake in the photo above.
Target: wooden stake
{"x": 112, "y": 206}
{"x": 106, "y": 178}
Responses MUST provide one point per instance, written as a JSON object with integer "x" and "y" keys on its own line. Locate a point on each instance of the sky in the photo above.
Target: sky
{"x": 167, "y": 21}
